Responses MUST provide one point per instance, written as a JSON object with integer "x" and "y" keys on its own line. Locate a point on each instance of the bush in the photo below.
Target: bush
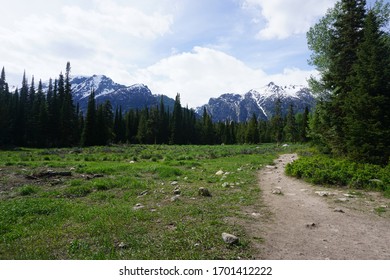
{"x": 322, "y": 169}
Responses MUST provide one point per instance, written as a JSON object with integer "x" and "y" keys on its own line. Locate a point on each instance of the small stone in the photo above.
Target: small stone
{"x": 271, "y": 167}
{"x": 122, "y": 245}
{"x": 143, "y": 193}
{"x": 132, "y": 161}
{"x": 277, "y": 191}
{"x": 175, "y": 198}
{"x": 174, "y": 183}
{"x": 219, "y": 173}
{"x": 347, "y": 195}
{"x": 229, "y": 238}
{"x": 138, "y": 206}
{"x": 204, "y": 192}
{"x": 177, "y": 191}
{"x": 339, "y": 210}
{"x": 225, "y": 185}
{"x": 312, "y": 225}
{"x": 343, "y": 199}
{"x": 322, "y": 193}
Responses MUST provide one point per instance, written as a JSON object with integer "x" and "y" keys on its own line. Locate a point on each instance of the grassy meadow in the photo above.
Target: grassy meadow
{"x": 128, "y": 202}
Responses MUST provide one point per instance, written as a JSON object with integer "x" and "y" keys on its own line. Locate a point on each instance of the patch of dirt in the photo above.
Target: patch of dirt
{"x": 301, "y": 221}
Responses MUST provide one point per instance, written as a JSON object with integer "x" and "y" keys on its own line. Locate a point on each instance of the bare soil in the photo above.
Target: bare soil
{"x": 302, "y": 221}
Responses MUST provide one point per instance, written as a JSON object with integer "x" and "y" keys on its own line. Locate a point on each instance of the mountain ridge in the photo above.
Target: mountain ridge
{"x": 241, "y": 107}
{"x": 227, "y": 107}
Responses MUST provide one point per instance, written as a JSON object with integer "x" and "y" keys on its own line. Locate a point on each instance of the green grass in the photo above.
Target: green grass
{"x": 91, "y": 214}
{"x": 323, "y": 169}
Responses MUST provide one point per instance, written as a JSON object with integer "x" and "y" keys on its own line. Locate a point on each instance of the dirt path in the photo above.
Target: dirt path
{"x": 302, "y": 224}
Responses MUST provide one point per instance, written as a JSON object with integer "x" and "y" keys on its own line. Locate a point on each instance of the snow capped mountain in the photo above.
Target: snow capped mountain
{"x": 228, "y": 106}
{"x": 260, "y": 101}
{"x": 137, "y": 96}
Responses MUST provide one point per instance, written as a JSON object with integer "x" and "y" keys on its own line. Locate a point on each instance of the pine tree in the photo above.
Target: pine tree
{"x": 5, "y": 111}
{"x": 291, "y": 130}
{"x": 104, "y": 123}
{"x": 88, "y": 137}
{"x": 277, "y": 122}
{"x": 177, "y": 123}
{"x": 252, "y": 134}
{"x": 368, "y": 119}
{"x": 68, "y": 117}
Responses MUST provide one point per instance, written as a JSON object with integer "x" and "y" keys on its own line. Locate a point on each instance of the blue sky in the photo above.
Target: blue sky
{"x": 198, "y": 48}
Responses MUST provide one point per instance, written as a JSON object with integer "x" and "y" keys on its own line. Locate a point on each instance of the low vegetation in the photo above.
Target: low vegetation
{"x": 120, "y": 202}
{"x": 324, "y": 169}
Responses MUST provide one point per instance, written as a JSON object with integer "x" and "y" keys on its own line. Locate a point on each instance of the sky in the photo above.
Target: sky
{"x": 198, "y": 48}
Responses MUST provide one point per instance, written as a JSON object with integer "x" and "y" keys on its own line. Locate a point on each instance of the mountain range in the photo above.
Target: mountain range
{"x": 229, "y": 106}
{"x": 137, "y": 96}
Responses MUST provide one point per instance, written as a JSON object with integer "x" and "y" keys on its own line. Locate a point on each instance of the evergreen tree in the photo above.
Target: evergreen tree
{"x": 88, "y": 137}
{"x": 104, "y": 123}
{"x": 68, "y": 117}
{"x": 303, "y": 126}
{"x": 207, "y": 129}
{"x": 368, "y": 118}
{"x": 119, "y": 128}
{"x": 291, "y": 130}
{"x": 5, "y": 111}
{"x": 277, "y": 122}
{"x": 177, "y": 123}
{"x": 252, "y": 134}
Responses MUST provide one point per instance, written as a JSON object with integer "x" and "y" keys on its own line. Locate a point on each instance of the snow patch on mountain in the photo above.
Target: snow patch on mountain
{"x": 260, "y": 101}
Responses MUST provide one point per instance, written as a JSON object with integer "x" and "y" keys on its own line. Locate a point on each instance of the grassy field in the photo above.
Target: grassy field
{"x": 119, "y": 202}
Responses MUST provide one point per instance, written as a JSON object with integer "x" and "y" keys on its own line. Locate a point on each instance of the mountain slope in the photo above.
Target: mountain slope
{"x": 137, "y": 96}
{"x": 240, "y": 108}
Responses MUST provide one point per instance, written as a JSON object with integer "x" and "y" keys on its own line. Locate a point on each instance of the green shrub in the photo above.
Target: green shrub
{"x": 322, "y": 169}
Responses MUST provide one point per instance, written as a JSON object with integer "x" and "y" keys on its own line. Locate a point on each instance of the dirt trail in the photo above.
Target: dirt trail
{"x": 304, "y": 225}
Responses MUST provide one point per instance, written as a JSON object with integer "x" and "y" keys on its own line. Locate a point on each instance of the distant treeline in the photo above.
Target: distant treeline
{"x": 30, "y": 117}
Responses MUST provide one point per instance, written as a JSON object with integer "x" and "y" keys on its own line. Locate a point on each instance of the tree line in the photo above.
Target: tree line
{"x": 31, "y": 117}
{"x": 351, "y": 50}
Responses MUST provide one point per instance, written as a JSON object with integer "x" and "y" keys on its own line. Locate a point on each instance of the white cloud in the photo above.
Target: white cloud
{"x": 97, "y": 38}
{"x": 205, "y": 73}
{"x": 286, "y": 18}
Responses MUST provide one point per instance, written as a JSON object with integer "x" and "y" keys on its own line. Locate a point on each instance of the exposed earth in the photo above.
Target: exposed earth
{"x": 302, "y": 221}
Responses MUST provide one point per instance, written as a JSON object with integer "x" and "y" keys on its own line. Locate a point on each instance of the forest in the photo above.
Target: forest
{"x": 31, "y": 117}
{"x": 350, "y": 50}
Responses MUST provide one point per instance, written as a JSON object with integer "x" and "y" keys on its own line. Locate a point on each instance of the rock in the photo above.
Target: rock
{"x": 230, "y": 238}
{"x": 204, "y": 192}
{"x": 271, "y": 167}
{"x": 175, "y": 198}
{"x": 138, "y": 206}
{"x": 277, "y": 191}
{"x": 323, "y": 193}
{"x": 226, "y": 185}
{"x": 219, "y": 173}
{"x": 143, "y": 193}
{"x": 122, "y": 245}
{"x": 285, "y": 145}
{"x": 312, "y": 225}
{"x": 132, "y": 161}
{"x": 177, "y": 191}
{"x": 174, "y": 183}
{"x": 348, "y": 195}
{"x": 339, "y": 210}
{"x": 343, "y": 199}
